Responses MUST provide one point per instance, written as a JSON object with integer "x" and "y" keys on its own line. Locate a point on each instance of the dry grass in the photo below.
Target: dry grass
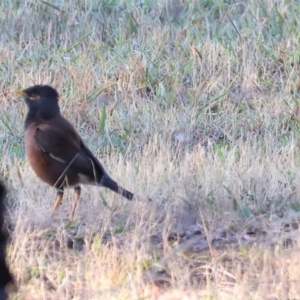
{"x": 195, "y": 105}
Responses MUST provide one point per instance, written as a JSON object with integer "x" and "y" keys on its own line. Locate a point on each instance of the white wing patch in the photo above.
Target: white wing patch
{"x": 57, "y": 158}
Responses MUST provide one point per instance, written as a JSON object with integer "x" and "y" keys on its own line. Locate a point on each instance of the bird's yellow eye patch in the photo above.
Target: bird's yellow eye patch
{"x": 34, "y": 97}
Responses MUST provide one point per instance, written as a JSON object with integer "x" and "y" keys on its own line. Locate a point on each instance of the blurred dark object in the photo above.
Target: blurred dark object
{"x": 5, "y": 276}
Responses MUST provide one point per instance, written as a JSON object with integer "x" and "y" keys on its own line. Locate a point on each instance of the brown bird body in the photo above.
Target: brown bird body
{"x": 55, "y": 150}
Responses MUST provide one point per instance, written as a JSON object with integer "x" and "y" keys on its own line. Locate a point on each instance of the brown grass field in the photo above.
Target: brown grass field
{"x": 194, "y": 104}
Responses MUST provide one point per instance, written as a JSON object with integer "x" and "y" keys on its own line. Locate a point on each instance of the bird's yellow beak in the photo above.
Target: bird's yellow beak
{"x": 21, "y": 93}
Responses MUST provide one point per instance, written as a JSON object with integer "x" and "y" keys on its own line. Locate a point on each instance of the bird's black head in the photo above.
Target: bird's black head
{"x": 42, "y": 102}
{"x": 37, "y": 92}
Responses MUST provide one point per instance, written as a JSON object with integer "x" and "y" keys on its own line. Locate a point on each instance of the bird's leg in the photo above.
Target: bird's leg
{"x": 77, "y": 196}
{"x": 58, "y": 201}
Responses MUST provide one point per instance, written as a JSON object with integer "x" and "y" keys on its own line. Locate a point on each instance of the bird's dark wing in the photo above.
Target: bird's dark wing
{"x": 62, "y": 144}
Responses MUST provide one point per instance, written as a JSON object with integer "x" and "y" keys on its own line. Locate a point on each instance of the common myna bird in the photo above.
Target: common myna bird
{"x": 55, "y": 150}
{"x": 5, "y": 276}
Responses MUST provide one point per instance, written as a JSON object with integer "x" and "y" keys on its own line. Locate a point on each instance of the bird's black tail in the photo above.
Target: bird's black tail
{"x": 112, "y": 185}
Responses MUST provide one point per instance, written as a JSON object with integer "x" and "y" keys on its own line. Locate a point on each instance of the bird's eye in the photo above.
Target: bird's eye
{"x": 34, "y": 97}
